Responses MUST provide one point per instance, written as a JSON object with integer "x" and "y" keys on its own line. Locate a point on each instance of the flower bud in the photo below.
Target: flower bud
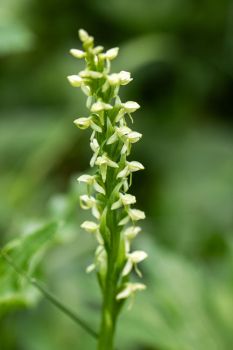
{"x": 100, "y": 106}
{"x": 75, "y": 80}
{"x": 135, "y": 166}
{"x": 96, "y": 50}
{"x": 130, "y": 106}
{"x": 90, "y": 226}
{"x": 85, "y": 37}
{"x": 83, "y": 123}
{"x": 78, "y": 53}
{"x": 113, "y": 79}
{"x": 134, "y": 136}
{"x": 87, "y": 202}
{"x": 137, "y": 256}
{"x": 131, "y": 232}
{"x": 112, "y": 53}
{"x": 88, "y": 179}
{"x": 125, "y": 77}
{"x": 136, "y": 214}
{"x": 122, "y": 78}
{"x": 90, "y": 74}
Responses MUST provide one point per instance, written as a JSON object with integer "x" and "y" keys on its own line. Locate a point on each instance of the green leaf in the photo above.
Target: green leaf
{"x": 26, "y": 252}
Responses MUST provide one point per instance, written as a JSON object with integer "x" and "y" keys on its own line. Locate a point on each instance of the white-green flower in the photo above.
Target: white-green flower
{"x": 130, "y": 168}
{"x": 130, "y": 106}
{"x": 118, "y": 134}
{"x": 132, "y": 214}
{"x": 83, "y": 123}
{"x": 88, "y": 179}
{"x": 110, "y": 54}
{"x": 129, "y": 290}
{"x": 96, "y": 50}
{"x": 132, "y": 260}
{"x": 89, "y": 202}
{"x": 78, "y": 53}
{"x": 89, "y": 74}
{"x": 75, "y": 80}
{"x": 122, "y": 78}
{"x": 129, "y": 234}
{"x": 100, "y": 263}
{"x": 100, "y": 106}
{"x": 85, "y": 37}
{"x": 95, "y": 148}
{"x": 124, "y": 200}
{"x": 133, "y": 136}
{"x": 91, "y": 180}
{"x": 90, "y": 226}
{"x": 136, "y": 214}
{"x": 103, "y": 162}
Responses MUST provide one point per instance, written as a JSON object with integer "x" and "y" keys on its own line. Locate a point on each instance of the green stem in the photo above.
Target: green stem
{"x": 107, "y": 331}
{"x": 110, "y": 307}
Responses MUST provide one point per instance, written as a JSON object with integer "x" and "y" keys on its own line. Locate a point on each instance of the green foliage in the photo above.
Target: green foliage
{"x": 26, "y": 252}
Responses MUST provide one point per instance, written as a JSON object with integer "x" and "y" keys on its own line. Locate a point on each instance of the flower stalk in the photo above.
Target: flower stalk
{"x": 114, "y": 225}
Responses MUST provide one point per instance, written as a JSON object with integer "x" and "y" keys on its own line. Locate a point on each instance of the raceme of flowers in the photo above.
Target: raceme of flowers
{"x": 115, "y": 221}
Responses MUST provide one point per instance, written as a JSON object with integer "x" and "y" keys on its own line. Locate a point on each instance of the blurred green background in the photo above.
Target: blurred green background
{"x": 180, "y": 53}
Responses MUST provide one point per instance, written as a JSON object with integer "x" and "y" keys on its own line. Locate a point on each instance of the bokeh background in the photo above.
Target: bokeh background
{"x": 180, "y": 53}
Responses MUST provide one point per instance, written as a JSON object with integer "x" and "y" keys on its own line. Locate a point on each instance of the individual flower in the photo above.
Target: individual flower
{"x": 78, "y": 53}
{"x": 85, "y": 38}
{"x": 100, "y": 262}
{"x": 130, "y": 106}
{"x": 89, "y": 202}
{"x": 96, "y": 50}
{"x": 100, "y": 106}
{"x": 132, "y": 260}
{"x": 126, "y": 135}
{"x": 122, "y": 78}
{"x": 89, "y": 74}
{"x": 95, "y": 148}
{"x": 110, "y": 54}
{"x": 84, "y": 123}
{"x": 129, "y": 290}
{"x": 90, "y": 226}
{"x": 75, "y": 80}
{"x": 103, "y": 162}
{"x": 130, "y": 168}
{"x": 134, "y": 215}
{"x": 91, "y": 181}
{"x": 124, "y": 200}
{"x": 129, "y": 234}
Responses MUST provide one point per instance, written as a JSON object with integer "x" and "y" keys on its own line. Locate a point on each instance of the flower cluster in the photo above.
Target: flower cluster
{"x": 115, "y": 224}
